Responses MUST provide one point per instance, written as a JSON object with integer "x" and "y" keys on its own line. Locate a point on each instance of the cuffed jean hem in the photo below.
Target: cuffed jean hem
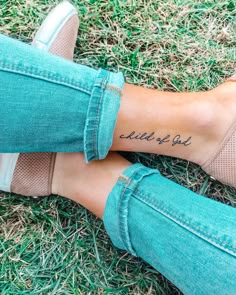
{"x": 190, "y": 239}
{"x": 102, "y": 114}
{"x": 117, "y": 207}
{"x": 50, "y": 104}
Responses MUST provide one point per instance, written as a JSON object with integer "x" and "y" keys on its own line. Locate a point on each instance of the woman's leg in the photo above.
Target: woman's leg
{"x": 188, "y": 238}
{"x": 183, "y": 125}
{"x": 51, "y": 98}
{"x": 199, "y": 127}
{"x": 60, "y": 106}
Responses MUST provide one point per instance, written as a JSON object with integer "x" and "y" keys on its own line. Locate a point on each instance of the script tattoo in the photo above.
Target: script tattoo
{"x": 164, "y": 139}
{"x": 174, "y": 140}
{"x": 177, "y": 140}
{"x": 141, "y": 136}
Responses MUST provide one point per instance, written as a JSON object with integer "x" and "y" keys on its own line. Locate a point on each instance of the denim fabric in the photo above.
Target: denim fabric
{"x": 190, "y": 239}
{"x": 53, "y": 105}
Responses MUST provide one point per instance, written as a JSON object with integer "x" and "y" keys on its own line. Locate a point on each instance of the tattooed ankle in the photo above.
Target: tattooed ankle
{"x": 173, "y": 140}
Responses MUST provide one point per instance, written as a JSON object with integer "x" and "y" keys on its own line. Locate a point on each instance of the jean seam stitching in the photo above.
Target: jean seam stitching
{"x": 113, "y": 92}
{"x": 113, "y": 89}
{"x": 35, "y": 73}
{"x": 181, "y": 221}
{"x": 132, "y": 187}
{"x": 137, "y": 170}
{"x": 95, "y": 133}
{"x": 127, "y": 243}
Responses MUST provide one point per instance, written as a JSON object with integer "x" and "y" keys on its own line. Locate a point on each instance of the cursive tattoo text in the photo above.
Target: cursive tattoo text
{"x": 177, "y": 140}
{"x": 173, "y": 140}
{"x": 141, "y": 136}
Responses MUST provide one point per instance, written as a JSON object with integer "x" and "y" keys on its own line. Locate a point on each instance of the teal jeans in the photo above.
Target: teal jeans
{"x": 50, "y": 104}
{"x": 188, "y": 238}
{"x": 53, "y": 105}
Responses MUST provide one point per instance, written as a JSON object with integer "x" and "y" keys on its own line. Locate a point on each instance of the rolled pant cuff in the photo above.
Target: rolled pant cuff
{"x": 117, "y": 208}
{"x": 102, "y": 114}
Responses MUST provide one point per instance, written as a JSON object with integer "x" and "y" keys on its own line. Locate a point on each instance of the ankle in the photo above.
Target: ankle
{"x": 211, "y": 117}
{"x": 67, "y": 170}
{"x": 87, "y": 184}
{"x": 221, "y": 116}
{"x": 225, "y": 94}
{"x": 203, "y": 114}
{"x": 226, "y": 91}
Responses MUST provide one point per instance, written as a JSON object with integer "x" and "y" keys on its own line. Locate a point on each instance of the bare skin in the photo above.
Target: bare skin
{"x": 87, "y": 184}
{"x": 204, "y": 116}
{"x": 183, "y": 125}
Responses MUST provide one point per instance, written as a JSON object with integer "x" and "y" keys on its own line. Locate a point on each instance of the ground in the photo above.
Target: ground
{"x": 52, "y": 245}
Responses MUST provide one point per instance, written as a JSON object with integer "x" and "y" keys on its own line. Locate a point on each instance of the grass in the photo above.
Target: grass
{"x": 52, "y": 245}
